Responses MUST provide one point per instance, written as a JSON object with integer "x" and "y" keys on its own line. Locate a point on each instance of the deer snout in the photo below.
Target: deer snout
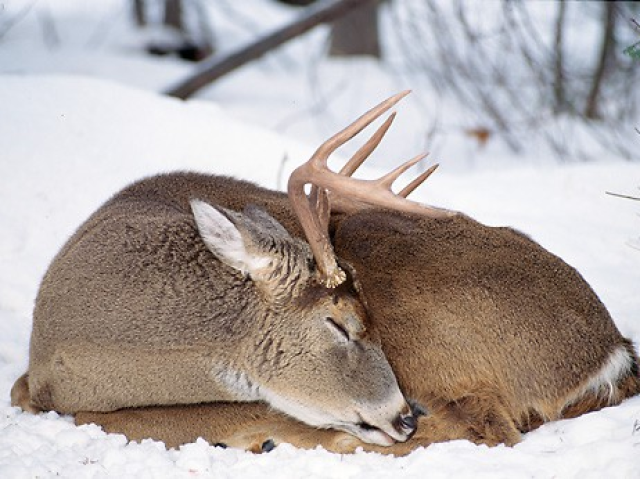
{"x": 405, "y": 424}
{"x": 386, "y": 430}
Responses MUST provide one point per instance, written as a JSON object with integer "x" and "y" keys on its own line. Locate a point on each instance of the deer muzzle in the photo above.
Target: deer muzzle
{"x": 385, "y": 430}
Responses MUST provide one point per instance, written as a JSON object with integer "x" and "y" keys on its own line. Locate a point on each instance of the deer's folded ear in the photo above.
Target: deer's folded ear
{"x": 226, "y": 241}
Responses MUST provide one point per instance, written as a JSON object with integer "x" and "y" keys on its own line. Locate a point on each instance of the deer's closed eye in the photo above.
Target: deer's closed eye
{"x": 338, "y": 327}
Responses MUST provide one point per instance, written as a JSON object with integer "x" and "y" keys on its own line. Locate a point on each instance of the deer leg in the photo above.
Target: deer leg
{"x": 227, "y": 424}
{"x": 255, "y": 427}
{"x": 474, "y": 418}
{"x": 80, "y": 377}
{"x": 479, "y": 416}
{"x": 250, "y": 426}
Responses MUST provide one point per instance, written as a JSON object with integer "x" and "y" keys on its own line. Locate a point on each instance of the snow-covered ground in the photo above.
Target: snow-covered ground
{"x": 67, "y": 142}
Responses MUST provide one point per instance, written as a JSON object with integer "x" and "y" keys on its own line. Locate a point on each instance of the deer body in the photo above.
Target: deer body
{"x": 487, "y": 332}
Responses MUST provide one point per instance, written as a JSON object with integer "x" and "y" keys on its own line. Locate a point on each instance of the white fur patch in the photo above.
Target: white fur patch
{"x": 618, "y": 364}
{"x": 298, "y": 410}
{"x": 238, "y": 384}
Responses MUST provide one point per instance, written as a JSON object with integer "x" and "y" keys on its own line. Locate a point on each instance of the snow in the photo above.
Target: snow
{"x": 70, "y": 140}
{"x": 69, "y": 143}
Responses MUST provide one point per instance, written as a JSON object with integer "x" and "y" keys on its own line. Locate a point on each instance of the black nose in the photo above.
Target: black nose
{"x": 409, "y": 422}
{"x": 406, "y": 424}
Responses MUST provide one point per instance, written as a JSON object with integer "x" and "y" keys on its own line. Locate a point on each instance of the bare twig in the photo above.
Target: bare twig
{"x": 140, "y": 12}
{"x": 9, "y": 23}
{"x": 515, "y": 80}
{"x": 49, "y": 30}
{"x": 628, "y": 197}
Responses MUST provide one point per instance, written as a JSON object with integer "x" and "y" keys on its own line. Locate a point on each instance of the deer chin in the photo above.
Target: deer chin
{"x": 362, "y": 430}
{"x": 368, "y": 434}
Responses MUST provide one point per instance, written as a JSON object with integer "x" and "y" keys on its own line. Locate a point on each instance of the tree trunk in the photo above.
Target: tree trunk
{"x": 558, "y": 71}
{"x": 139, "y": 12}
{"x": 357, "y": 32}
{"x": 606, "y": 55}
{"x": 173, "y": 14}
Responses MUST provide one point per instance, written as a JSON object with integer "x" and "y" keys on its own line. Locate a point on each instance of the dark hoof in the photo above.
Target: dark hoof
{"x": 268, "y": 445}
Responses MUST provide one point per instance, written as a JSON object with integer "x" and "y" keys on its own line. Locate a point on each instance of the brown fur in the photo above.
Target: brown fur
{"x": 485, "y": 328}
{"x": 495, "y": 310}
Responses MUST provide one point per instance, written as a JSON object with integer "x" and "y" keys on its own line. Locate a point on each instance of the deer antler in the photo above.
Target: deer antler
{"x": 313, "y": 212}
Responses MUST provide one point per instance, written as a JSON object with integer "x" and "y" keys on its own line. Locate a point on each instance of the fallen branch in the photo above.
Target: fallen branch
{"x": 209, "y": 71}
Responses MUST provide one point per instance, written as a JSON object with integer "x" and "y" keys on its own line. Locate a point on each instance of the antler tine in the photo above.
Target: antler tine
{"x": 319, "y": 197}
{"x": 309, "y": 215}
{"x": 375, "y": 193}
{"x": 407, "y": 190}
{"x": 340, "y": 138}
{"x": 365, "y": 150}
{"x": 388, "y": 179}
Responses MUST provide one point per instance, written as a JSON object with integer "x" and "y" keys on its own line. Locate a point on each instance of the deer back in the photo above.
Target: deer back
{"x": 462, "y": 306}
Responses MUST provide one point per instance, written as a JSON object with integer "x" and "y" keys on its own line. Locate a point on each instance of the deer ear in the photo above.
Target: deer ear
{"x": 265, "y": 221}
{"x": 228, "y": 243}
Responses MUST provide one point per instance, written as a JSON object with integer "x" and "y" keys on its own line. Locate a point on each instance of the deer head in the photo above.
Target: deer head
{"x": 311, "y": 353}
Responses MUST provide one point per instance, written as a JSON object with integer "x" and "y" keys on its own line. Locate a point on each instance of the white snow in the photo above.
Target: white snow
{"x": 68, "y": 142}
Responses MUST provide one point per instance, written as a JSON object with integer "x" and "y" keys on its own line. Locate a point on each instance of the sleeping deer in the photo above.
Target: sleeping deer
{"x": 488, "y": 334}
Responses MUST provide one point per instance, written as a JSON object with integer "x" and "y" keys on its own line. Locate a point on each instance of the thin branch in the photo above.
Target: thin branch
{"x": 11, "y": 22}
{"x": 628, "y": 197}
{"x": 49, "y": 30}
